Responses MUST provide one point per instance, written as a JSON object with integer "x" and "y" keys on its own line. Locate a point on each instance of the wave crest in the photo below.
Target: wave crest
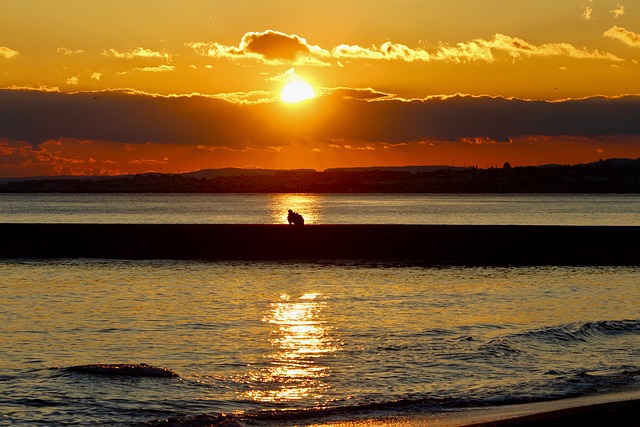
{"x": 578, "y": 332}
{"x": 122, "y": 370}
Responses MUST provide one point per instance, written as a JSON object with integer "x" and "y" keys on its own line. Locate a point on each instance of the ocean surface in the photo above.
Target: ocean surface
{"x": 283, "y": 343}
{"x": 513, "y": 209}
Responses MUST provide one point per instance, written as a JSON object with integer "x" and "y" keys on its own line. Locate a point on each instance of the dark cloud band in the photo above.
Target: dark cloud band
{"x": 35, "y": 116}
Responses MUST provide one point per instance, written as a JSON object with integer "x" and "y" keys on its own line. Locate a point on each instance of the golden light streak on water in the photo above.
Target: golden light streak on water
{"x": 301, "y": 340}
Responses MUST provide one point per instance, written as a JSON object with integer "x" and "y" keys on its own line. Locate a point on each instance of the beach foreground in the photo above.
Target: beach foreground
{"x": 423, "y": 244}
{"x": 617, "y": 410}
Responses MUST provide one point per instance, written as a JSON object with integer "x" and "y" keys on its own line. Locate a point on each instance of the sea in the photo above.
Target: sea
{"x": 298, "y": 343}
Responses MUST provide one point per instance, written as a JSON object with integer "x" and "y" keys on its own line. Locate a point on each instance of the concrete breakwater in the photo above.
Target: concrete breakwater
{"x": 420, "y": 244}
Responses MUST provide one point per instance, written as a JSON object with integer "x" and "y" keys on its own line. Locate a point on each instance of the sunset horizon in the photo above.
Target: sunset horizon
{"x": 166, "y": 87}
{"x": 340, "y": 213}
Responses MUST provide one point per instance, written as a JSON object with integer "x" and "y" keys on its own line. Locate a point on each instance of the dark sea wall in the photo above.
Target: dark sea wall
{"x": 421, "y": 244}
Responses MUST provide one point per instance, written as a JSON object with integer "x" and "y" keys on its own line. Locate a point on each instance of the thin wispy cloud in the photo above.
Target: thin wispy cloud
{"x": 515, "y": 48}
{"x": 8, "y": 53}
{"x": 618, "y": 11}
{"x": 287, "y": 76}
{"x": 625, "y": 36}
{"x": 158, "y": 69}
{"x": 69, "y": 52}
{"x": 466, "y": 52}
{"x": 386, "y": 51}
{"x": 138, "y": 52}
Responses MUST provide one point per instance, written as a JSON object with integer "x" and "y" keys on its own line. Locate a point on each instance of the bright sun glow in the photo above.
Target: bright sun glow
{"x": 296, "y": 91}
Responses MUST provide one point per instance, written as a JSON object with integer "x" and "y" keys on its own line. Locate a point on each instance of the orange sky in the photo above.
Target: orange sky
{"x": 101, "y": 87}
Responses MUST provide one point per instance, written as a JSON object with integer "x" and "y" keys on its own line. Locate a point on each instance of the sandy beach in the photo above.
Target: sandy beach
{"x": 620, "y": 414}
{"x": 616, "y": 410}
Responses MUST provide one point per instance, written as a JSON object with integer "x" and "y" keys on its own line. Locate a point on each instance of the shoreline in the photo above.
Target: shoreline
{"x": 518, "y": 245}
{"x": 619, "y": 409}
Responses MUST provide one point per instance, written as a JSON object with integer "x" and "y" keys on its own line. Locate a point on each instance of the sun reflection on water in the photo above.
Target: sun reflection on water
{"x": 302, "y": 340}
{"x": 307, "y": 205}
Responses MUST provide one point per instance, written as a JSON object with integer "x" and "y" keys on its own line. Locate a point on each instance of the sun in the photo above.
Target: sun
{"x": 296, "y": 91}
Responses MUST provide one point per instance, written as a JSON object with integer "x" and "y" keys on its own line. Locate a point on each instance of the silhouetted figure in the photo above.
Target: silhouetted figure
{"x": 295, "y": 218}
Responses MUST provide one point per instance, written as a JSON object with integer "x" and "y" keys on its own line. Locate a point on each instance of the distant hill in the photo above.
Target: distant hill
{"x": 215, "y": 173}
{"x": 606, "y": 176}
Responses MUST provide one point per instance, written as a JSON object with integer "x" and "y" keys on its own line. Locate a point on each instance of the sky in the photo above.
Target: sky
{"x": 108, "y": 87}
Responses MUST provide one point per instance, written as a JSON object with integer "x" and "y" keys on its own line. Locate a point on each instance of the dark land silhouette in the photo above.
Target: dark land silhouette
{"x": 605, "y": 176}
{"x": 416, "y": 244}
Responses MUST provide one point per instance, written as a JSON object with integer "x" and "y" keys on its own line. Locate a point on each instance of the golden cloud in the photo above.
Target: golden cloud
{"x": 386, "y": 51}
{"x": 485, "y": 50}
{"x": 8, "y": 53}
{"x": 138, "y": 52}
{"x": 465, "y": 52}
{"x": 69, "y": 52}
{"x": 159, "y": 69}
{"x": 618, "y": 11}
{"x": 276, "y": 45}
{"x": 625, "y": 36}
{"x": 269, "y": 46}
{"x": 276, "y": 48}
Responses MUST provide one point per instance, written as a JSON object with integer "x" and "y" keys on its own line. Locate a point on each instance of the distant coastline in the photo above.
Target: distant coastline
{"x": 605, "y": 176}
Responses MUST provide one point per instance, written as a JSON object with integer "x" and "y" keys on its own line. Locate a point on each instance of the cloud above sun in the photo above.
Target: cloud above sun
{"x": 8, "y": 53}
{"x": 618, "y": 11}
{"x": 625, "y": 36}
{"x": 515, "y": 48}
{"x": 587, "y": 13}
{"x": 386, "y": 51}
{"x": 274, "y": 47}
{"x": 139, "y": 52}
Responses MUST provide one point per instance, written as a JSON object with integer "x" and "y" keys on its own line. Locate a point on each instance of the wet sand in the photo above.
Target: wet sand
{"x": 423, "y": 244}
{"x": 620, "y": 410}
{"x": 620, "y": 414}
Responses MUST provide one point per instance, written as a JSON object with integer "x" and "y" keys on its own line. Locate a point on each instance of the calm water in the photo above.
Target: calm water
{"x": 288, "y": 343}
{"x": 329, "y": 340}
{"x": 560, "y": 209}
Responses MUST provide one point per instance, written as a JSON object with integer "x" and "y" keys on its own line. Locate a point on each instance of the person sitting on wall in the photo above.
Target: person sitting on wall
{"x": 295, "y": 218}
